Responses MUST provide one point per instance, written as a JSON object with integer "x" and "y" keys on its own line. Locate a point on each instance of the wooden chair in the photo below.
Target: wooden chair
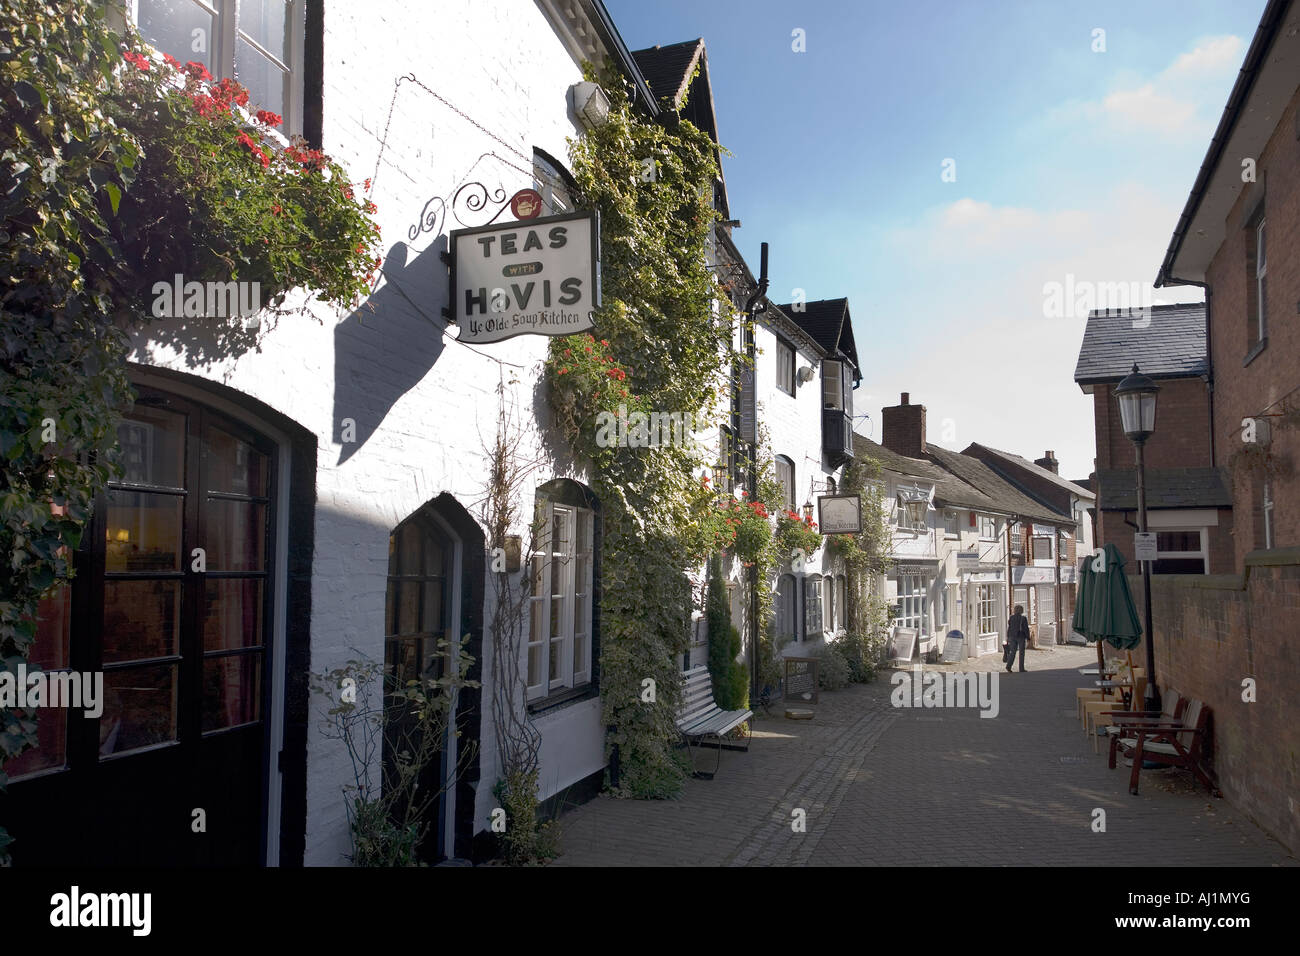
{"x": 701, "y": 719}
{"x": 1098, "y": 713}
{"x": 1085, "y": 694}
{"x": 1175, "y": 743}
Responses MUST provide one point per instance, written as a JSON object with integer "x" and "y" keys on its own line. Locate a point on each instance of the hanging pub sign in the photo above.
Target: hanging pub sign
{"x": 534, "y": 277}
{"x": 839, "y": 514}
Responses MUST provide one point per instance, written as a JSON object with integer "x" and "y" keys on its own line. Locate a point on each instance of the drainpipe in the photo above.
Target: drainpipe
{"x": 750, "y": 352}
{"x": 1209, "y": 371}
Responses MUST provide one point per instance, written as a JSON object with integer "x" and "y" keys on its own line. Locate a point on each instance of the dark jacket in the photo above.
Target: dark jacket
{"x": 1017, "y": 628}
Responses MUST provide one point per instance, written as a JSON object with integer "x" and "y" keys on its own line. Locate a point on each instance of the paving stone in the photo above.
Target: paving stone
{"x": 885, "y": 786}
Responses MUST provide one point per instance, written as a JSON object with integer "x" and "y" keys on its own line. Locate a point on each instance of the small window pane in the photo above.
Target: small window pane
{"x": 236, "y": 535}
{"x": 233, "y": 617}
{"x": 233, "y": 465}
{"x": 264, "y": 79}
{"x": 141, "y": 619}
{"x": 53, "y": 621}
{"x": 232, "y": 690}
{"x": 408, "y": 606}
{"x": 534, "y": 664}
{"x": 266, "y": 22}
{"x": 139, "y": 709}
{"x": 169, "y": 25}
{"x": 143, "y": 532}
{"x": 152, "y": 447}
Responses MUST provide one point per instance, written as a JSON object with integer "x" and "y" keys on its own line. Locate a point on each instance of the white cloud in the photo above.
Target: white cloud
{"x": 1183, "y": 100}
{"x": 983, "y": 357}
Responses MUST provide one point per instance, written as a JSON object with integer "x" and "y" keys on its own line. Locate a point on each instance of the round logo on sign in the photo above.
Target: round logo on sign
{"x": 526, "y": 204}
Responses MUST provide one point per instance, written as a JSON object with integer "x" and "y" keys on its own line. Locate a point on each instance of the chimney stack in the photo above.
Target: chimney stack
{"x": 1049, "y": 462}
{"x": 903, "y": 428}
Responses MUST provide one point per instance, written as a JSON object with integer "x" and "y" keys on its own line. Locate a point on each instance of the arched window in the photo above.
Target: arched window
{"x": 420, "y": 566}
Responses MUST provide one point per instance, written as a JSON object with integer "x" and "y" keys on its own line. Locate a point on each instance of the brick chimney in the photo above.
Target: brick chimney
{"x": 1049, "y": 462}
{"x": 903, "y": 428}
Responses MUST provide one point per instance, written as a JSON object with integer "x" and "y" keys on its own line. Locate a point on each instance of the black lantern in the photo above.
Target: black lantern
{"x": 807, "y": 510}
{"x": 1137, "y": 405}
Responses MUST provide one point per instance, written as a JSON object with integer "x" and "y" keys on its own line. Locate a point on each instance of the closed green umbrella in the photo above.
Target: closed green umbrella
{"x": 1110, "y": 614}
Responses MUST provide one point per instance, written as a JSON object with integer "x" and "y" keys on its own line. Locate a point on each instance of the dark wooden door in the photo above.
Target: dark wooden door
{"x": 172, "y": 603}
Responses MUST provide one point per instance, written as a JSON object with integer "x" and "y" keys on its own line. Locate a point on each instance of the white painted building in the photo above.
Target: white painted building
{"x": 336, "y": 473}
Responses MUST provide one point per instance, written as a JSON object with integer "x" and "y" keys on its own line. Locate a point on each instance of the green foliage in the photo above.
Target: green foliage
{"x": 526, "y": 841}
{"x": 117, "y": 179}
{"x": 397, "y": 729}
{"x": 796, "y": 534}
{"x": 737, "y": 679}
{"x": 657, "y": 319}
{"x": 863, "y": 652}
{"x": 866, "y": 555}
{"x": 833, "y": 671}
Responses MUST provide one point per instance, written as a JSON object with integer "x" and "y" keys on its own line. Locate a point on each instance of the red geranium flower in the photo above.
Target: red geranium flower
{"x": 197, "y": 71}
{"x": 269, "y": 118}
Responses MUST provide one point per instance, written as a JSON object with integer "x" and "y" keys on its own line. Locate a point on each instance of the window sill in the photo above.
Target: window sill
{"x": 562, "y": 699}
{"x": 1254, "y": 352}
{"x": 784, "y": 391}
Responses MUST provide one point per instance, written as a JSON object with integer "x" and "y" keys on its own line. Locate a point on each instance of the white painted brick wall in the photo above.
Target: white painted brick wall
{"x": 502, "y": 64}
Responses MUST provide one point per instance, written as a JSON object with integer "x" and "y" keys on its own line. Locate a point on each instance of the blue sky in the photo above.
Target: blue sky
{"x": 1068, "y": 162}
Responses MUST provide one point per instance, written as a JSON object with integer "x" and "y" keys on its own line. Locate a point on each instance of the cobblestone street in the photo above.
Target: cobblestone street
{"x": 885, "y": 786}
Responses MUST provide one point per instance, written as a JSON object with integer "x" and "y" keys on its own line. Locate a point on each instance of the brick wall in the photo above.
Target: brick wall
{"x": 1182, "y": 436}
{"x": 1210, "y": 634}
{"x": 1243, "y": 391}
{"x": 902, "y": 428}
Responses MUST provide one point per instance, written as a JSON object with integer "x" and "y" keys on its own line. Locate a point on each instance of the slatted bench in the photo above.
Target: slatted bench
{"x": 701, "y": 719}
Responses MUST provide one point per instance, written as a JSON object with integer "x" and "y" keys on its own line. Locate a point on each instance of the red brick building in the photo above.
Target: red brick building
{"x": 1239, "y": 238}
{"x": 1188, "y": 502}
{"x": 1227, "y": 637}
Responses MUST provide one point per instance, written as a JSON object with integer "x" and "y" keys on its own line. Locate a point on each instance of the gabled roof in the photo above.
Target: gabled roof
{"x": 1166, "y": 488}
{"x": 668, "y": 69}
{"x": 948, "y": 489}
{"x": 1170, "y": 345}
{"x": 1034, "y": 469}
{"x": 828, "y": 321}
{"x": 1006, "y": 498}
{"x": 670, "y": 72}
{"x": 1265, "y": 85}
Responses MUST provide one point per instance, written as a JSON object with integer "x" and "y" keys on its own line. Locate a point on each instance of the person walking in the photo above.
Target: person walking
{"x": 1017, "y": 636}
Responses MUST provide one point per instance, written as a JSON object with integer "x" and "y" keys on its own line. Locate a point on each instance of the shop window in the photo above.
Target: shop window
{"x": 1042, "y": 547}
{"x": 987, "y": 610}
{"x": 912, "y": 611}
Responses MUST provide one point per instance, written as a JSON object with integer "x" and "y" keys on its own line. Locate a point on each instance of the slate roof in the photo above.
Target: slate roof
{"x": 828, "y": 321}
{"x": 667, "y": 69}
{"x": 1071, "y": 486}
{"x": 1006, "y": 498}
{"x": 1171, "y": 346}
{"x": 1166, "y": 488}
{"x": 959, "y": 480}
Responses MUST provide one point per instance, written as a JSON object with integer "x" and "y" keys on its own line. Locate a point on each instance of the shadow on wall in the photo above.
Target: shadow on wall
{"x": 389, "y": 343}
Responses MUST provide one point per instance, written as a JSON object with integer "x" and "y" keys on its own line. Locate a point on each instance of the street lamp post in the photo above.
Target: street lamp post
{"x": 1137, "y": 409}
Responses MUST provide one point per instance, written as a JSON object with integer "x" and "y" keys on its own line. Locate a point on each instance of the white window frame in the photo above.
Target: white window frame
{"x": 576, "y": 595}
{"x": 913, "y": 600}
{"x": 986, "y": 611}
{"x": 780, "y": 462}
{"x": 221, "y": 52}
{"x": 812, "y": 611}
{"x": 1261, "y": 282}
{"x": 828, "y": 603}
{"x": 785, "y": 366}
{"x": 550, "y": 183}
{"x": 833, "y": 384}
{"x": 1039, "y": 561}
{"x": 955, "y": 530}
{"x": 1203, "y": 554}
{"x": 988, "y": 527}
{"x": 786, "y": 607}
